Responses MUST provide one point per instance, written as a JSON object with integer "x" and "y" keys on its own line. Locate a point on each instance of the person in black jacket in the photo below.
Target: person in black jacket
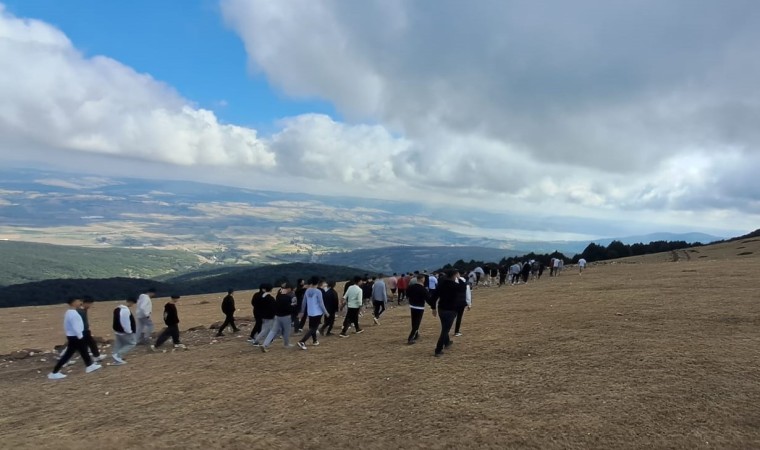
{"x": 417, "y": 296}
{"x": 256, "y": 313}
{"x": 332, "y": 304}
{"x": 228, "y": 308}
{"x": 445, "y": 303}
{"x": 266, "y": 309}
{"x": 171, "y": 319}
{"x": 283, "y": 305}
{"x": 298, "y": 324}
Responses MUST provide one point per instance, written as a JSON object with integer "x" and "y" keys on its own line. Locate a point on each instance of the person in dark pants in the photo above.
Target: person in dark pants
{"x": 445, "y": 302}
{"x": 171, "y": 319}
{"x": 417, "y": 296}
{"x": 464, "y": 301}
{"x": 314, "y": 308}
{"x": 330, "y": 298}
{"x": 228, "y": 308}
{"x": 353, "y": 303}
{"x": 87, "y": 303}
{"x": 74, "y": 328}
{"x": 256, "y": 305}
{"x": 298, "y": 324}
{"x": 525, "y": 272}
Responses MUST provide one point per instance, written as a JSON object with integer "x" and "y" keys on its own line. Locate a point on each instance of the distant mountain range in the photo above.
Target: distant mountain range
{"x": 201, "y": 224}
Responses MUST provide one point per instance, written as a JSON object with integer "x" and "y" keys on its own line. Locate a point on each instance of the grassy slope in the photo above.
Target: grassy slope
{"x": 24, "y": 262}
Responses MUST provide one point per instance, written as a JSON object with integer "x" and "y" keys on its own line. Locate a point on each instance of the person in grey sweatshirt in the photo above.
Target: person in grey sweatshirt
{"x": 379, "y": 298}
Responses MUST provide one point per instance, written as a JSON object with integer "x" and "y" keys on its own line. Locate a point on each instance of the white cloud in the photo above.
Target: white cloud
{"x": 586, "y": 107}
{"x": 55, "y": 97}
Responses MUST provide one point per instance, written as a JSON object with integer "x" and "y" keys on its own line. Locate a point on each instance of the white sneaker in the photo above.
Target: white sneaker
{"x": 92, "y": 368}
{"x": 152, "y": 348}
{"x": 56, "y": 376}
{"x": 182, "y": 346}
{"x": 457, "y": 334}
{"x": 99, "y": 358}
{"x": 302, "y": 346}
{"x": 117, "y": 358}
{"x": 120, "y": 362}
{"x": 377, "y": 322}
{"x": 315, "y": 343}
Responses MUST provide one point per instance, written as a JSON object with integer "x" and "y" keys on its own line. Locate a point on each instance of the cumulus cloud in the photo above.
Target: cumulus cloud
{"x": 595, "y": 104}
{"x": 55, "y": 97}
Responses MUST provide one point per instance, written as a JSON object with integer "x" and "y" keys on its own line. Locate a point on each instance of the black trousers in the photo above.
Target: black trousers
{"x": 401, "y": 295}
{"x": 313, "y": 327}
{"x": 352, "y": 317}
{"x": 329, "y": 322}
{"x": 460, "y": 313}
{"x": 170, "y": 331}
{"x": 229, "y": 319}
{"x": 256, "y": 326}
{"x": 74, "y": 344}
{"x": 379, "y": 308}
{"x": 90, "y": 342}
{"x": 302, "y": 323}
{"x": 416, "y": 321}
{"x": 447, "y": 320}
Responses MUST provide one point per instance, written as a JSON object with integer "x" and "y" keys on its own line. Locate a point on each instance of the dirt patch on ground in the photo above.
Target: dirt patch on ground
{"x": 624, "y": 356}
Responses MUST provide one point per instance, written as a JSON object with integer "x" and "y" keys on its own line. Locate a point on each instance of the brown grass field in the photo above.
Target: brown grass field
{"x": 646, "y": 352}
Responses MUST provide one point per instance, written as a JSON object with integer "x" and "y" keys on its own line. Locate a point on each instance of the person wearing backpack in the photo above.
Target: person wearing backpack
{"x": 228, "y": 308}
{"x": 124, "y": 331}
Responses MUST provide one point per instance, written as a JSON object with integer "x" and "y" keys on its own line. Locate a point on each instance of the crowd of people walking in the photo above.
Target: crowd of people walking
{"x": 312, "y": 303}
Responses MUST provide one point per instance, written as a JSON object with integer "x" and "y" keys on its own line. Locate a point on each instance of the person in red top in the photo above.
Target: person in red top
{"x": 401, "y": 284}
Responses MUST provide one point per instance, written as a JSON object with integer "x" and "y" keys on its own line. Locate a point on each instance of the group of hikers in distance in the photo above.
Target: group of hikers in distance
{"x": 312, "y": 303}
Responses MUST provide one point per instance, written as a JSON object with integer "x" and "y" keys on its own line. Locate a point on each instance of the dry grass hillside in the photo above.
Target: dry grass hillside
{"x": 661, "y": 351}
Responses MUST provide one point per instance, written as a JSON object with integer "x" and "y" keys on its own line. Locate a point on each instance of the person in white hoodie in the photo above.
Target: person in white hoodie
{"x": 313, "y": 306}
{"x": 144, "y": 314}
{"x": 124, "y": 332}
{"x": 73, "y": 325}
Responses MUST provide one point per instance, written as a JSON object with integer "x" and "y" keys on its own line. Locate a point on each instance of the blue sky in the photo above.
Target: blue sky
{"x": 183, "y": 43}
{"x": 592, "y": 110}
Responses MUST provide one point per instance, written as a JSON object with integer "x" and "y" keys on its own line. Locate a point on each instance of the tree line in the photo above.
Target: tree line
{"x": 592, "y": 252}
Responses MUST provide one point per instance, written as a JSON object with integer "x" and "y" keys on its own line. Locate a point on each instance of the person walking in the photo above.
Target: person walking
{"x": 171, "y": 320}
{"x": 464, "y": 301}
{"x": 392, "y": 284}
{"x": 228, "y": 308}
{"x": 353, "y": 302}
{"x": 283, "y": 307}
{"x": 73, "y": 326}
{"x": 379, "y": 298}
{"x": 125, "y": 338}
{"x": 300, "y": 291}
{"x": 313, "y": 307}
{"x": 87, "y": 303}
{"x": 418, "y": 296}
{"x": 255, "y": 305}
{"x": 445, "y": 301}
{"x": 267, "y": 313}
{"x": 143, "y": 313}
{"x": 332, "y": 304}
{"x": 402, "y": 284}
{"x": 432, "y": 284}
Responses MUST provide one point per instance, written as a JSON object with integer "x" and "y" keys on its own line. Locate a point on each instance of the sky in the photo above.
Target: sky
{"x": 645, "y": 112}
